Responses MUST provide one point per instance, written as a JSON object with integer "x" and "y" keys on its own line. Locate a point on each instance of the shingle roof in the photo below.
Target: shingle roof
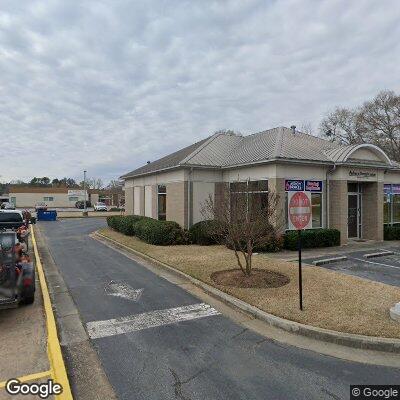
{"x": 224, "y": 150}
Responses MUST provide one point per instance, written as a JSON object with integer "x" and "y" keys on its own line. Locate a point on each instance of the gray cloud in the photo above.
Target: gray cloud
{"x": 107, "y": 85}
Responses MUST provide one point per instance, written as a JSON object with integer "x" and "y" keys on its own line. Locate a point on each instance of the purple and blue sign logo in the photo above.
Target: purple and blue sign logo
{"x": 314, "y": 186}
{"x": 296, "y": 185}
{"x": 391, "y": 189}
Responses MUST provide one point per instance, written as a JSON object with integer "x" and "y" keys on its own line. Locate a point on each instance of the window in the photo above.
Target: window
{"x": 162, "y": 202}
{"x": 396, "y": 208}
{"x": 387, "y": 209}
{"x": 315, "y": 189}
{"x": 316, "y": 204}
{"x": 48, "y": 198}
{"x": 73, "y": 198}
{"x": 391, "y": 204}
{"x": 248, "y": 197}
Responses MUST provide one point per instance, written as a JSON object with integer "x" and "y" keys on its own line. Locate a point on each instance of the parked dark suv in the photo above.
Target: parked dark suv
{"x": 81, "y": 204}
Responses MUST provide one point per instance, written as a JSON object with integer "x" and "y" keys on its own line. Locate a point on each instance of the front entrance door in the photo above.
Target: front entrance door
{"x": 353, "y": 216}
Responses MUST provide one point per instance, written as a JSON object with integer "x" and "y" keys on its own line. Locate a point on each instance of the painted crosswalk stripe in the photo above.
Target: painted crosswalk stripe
{"x": 152, "y": 319}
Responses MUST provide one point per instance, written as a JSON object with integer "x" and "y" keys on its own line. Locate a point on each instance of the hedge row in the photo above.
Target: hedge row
{"x": 391, "y": 232}
{"x": 312, "y": 238}
{"x": 166, "y": 233}
{"x": 162, "y": 233}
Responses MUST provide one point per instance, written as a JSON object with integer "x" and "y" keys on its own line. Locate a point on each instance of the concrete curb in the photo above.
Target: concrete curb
{"x": 379, "y": 254}
{"x": 326, "y": 335}
{"x": 329, "y": 260}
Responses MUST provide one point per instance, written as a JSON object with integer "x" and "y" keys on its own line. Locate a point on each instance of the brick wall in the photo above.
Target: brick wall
{"x": 338, "y": 208}
{"x": 220, "y": 191}
{"x": 372, "y": 211}
{"x": 277, "y": 187}
{"x": 129, "y": 200}
{"x": 177, "y": 203}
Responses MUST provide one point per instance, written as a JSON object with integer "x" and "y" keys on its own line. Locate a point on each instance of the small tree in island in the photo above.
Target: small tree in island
{"x": 245, "y": 217}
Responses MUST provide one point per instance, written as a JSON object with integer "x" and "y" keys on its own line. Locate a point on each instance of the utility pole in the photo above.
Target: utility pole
{"x": 84, "y": 190}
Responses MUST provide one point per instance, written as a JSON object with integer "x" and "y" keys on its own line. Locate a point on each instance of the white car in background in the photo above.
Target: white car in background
{"x": 7, "y": 206}
{"x": 99, "y": 206}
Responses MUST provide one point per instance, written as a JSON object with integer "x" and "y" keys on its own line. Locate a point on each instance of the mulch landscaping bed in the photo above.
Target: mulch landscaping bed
{"x": 259, "y": 278}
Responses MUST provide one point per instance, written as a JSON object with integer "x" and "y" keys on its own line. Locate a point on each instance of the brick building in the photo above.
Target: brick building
{"x": 354, "y": 188}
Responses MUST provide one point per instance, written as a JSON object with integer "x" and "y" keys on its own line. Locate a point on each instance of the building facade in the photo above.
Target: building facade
{"x": 61, "y": 197}
{"x": 355, "y": 189}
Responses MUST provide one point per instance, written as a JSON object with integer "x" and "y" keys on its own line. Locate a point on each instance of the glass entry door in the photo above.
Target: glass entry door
{"x": 354, "y": 214}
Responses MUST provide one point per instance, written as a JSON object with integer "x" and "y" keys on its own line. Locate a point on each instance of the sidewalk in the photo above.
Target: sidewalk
{"x": 23, "y": 342}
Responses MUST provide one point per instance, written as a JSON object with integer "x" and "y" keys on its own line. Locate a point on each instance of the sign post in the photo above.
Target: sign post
{"x": 299, "y": 218}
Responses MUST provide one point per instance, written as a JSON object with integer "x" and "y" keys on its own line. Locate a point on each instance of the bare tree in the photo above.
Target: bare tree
{"x": 341, "y": 125}
{"x": 379, "y": 122}
{"x": 93, "y": 183}
{"x": 244, "y": 219}
{"x": 376, "y": 121}
{"x": 115, "y": 184}
{"x": 306, "y": 127}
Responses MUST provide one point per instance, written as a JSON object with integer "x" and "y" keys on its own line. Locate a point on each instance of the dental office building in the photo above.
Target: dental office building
{"x": 353, "y": 188}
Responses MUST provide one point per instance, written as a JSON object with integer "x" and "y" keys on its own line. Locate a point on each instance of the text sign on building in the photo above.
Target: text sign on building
{"x": 292, "y": 185}
{"x": 299, "y": 210}
{"x": 76, "y": 192}
{"x": 313, "y": 186}
{"x": 362, "y": 174}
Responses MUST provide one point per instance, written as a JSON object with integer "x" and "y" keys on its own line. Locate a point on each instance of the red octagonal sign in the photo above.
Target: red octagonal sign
{"x": 300, "y": 210}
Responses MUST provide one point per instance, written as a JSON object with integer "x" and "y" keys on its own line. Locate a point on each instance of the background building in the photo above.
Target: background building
{"x": 24, "y": 196}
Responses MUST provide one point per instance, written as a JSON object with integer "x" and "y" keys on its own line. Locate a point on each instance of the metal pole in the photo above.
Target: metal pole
{"x": 84, "y": 189}
{"x": 300, "y": 276}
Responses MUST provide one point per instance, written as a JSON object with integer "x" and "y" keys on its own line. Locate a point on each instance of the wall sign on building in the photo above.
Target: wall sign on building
{"x": 292, "y": 185}
{"x": 362, "y": 174}
{"x": 76, "y": 192}
{"x": 313, "y": 186}
{"x": 299, "y": 185}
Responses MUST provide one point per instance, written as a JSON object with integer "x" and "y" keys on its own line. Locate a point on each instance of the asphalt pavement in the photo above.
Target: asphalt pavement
{"x": 384, "y": 269}
{"x": 156, "y": 341}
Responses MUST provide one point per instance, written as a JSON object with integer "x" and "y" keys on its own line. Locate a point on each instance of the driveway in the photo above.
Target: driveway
{"x": 157, "y": 341}
{"x": 385, "y": 269}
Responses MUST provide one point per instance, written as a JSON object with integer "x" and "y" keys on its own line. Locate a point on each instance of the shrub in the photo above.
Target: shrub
{"x": 201, "y": 233}
{"x": 312, "y": 238}
{"x": 391, "y": 232}
{"x": 114, "y": 222}
{"x": 149, "y": 230}
{"x": 274, "y": 245}
{"x": 124, "y": 224}
{"x": 162, "y": 233}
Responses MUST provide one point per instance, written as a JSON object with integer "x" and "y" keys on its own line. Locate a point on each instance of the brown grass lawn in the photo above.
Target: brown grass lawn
{"x": 331, "y": 300}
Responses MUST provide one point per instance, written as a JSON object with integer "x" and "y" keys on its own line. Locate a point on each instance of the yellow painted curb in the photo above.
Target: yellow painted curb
{"x": 28, "y": 378}
{"x": 57, "y": 366}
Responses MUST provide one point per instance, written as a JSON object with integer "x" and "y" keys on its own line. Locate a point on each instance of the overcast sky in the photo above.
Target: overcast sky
{"x": 107, "y": 85}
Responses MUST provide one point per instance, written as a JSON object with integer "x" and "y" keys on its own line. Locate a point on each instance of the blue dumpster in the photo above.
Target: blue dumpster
{"x": 50, "y": 215}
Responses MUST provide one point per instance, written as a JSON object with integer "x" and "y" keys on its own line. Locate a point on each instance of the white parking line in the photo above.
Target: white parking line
{"x": 376, "y": 263}
{"x": 132, "y": 323}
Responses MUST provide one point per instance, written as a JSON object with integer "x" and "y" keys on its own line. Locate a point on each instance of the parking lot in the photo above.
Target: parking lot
{"x": 380, "y": 264}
